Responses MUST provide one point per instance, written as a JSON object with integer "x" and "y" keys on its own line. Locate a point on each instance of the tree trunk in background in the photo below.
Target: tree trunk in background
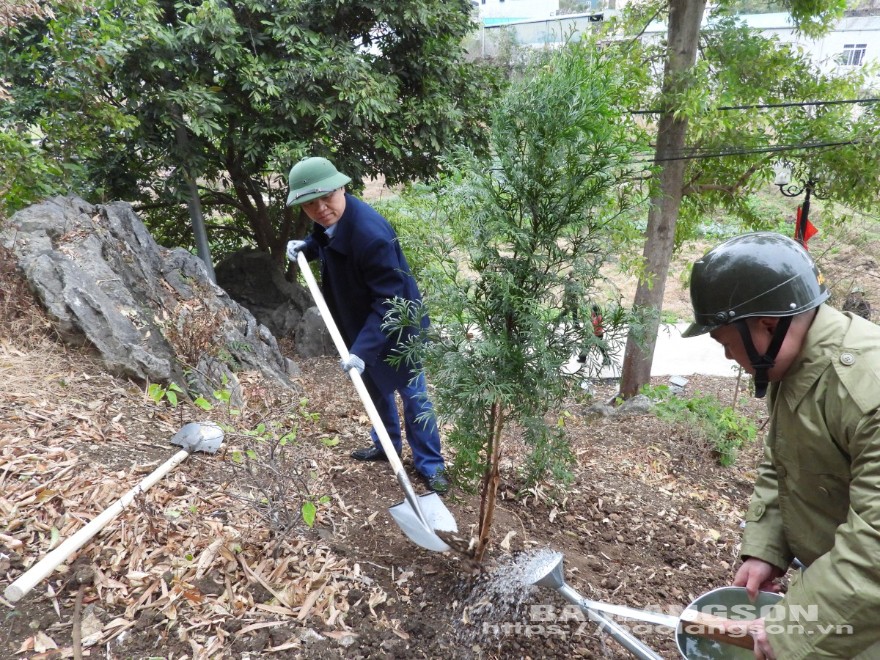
{"x": 683, "y": 37}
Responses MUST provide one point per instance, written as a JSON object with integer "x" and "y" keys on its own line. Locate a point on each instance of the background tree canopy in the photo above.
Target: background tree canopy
{"x": 379, "y": 87}
{"x": 726, "y": 114}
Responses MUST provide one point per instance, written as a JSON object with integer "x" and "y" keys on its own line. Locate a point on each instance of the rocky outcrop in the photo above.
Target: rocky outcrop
{"x": 254, "y": 280}
{"x": 152, "y": 313}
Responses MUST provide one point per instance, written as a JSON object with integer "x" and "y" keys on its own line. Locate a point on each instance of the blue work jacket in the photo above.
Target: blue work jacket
{"x": 362, "y": 270}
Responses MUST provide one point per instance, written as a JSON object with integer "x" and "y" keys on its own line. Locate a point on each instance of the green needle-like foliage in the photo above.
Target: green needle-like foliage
{"x": 509, "y": 234}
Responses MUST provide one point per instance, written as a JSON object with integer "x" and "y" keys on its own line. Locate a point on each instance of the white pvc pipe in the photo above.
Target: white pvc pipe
{"x": 17, "y": 590}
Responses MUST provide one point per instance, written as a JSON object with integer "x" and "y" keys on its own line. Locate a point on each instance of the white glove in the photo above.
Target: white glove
{"x": 352, "y": 362}
{"x": 294, "y": 248}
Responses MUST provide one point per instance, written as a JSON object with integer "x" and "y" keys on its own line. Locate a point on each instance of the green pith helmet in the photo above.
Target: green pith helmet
{"x": 757, "y": 274}
{"x": 311, "y": 178}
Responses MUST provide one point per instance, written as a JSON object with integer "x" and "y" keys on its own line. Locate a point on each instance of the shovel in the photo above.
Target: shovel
{"x": 418, "y": 517}
{"x": 550, "y": 573}
{"x": 195, "y": 436}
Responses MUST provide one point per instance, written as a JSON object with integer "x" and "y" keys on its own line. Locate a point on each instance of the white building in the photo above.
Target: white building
{"x": 855, "y": 40}
{"x": 499, "y": 12}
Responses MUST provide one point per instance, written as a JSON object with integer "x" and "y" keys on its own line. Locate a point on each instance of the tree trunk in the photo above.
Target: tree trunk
{"x": 489, "y": 485}
{"x": 683, "y": 37}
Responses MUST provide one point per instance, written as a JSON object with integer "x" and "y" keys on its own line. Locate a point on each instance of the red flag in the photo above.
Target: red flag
{"x": 809, "y": 231}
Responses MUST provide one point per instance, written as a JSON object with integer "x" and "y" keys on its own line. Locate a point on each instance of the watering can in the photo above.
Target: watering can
{"x": 700, "y": 633}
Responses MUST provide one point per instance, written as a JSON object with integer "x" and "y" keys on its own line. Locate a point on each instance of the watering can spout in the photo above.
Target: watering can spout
{"x": 550, "y": 574}
{"x": 699, "y": 633}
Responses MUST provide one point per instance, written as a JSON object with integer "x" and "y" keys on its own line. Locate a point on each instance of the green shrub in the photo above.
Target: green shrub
{"x": 724, "y": 429}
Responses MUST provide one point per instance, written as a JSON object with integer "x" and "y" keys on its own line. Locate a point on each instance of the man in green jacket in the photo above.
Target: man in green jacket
{"x": 817, "y": 494}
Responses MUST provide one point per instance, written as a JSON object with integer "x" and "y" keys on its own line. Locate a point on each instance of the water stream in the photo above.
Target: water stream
{"x": 497, "y": 603}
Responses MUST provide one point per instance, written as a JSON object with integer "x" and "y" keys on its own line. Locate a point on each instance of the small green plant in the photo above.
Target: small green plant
{"x": 274, "y": 472}
{"x": 203, "y": 403}
{"x": 157, "y": 393}
{"x": 304, "y": 412}
{"x": 310, "y": 510}
{"x": 724, "y": 428}
{"x": 221, "y": 396}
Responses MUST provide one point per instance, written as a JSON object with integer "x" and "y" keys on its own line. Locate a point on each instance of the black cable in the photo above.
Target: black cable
{"x": 767, "y": 105}
{"x": 745, "y": 152}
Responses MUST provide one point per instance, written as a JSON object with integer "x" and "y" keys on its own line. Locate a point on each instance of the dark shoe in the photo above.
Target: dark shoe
{"x": 371, "y": 453}
{"x": 438, "y": 483}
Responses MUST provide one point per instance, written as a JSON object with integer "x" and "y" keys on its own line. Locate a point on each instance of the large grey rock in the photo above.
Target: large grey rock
{"x": 152, "y": 313}
{"x": 311, "y": 336}
{"x": 638, "y": 405}
{"x": 254, "y": 280}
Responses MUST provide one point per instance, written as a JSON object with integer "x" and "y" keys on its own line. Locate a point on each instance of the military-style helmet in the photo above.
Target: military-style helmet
{"x": 311, "y": 178}
{"x": 757, "y": 274}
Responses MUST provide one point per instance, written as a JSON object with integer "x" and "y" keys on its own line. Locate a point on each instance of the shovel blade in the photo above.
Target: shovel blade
{"x": 199, "y": 436}
{"x": 437, "y": 516}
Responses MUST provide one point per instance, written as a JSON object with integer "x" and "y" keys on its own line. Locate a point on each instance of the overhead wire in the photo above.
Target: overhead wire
{"x": 759, "y": 106}
{"x": 698, "y": 153}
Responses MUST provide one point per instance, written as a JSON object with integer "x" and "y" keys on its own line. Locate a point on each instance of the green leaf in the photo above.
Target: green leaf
{"x": 156, "y": 392}
{"x": 330, "y": 442}
{"x": 203, "y": 403}
{"x": 308, "y": 513}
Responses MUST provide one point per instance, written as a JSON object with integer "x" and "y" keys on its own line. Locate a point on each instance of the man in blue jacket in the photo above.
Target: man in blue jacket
{"x": 362, "y": 270}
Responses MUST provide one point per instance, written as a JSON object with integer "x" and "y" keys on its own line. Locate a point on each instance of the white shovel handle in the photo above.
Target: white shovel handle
{"x": 17, "y": 590}
{"x": 378, "y": 425}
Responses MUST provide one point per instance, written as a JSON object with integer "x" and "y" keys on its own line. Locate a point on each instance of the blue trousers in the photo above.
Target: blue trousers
{"x": 421, "y": 433}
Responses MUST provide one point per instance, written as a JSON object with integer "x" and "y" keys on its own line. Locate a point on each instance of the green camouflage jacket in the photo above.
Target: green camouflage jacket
{"x": 817, "y": 494}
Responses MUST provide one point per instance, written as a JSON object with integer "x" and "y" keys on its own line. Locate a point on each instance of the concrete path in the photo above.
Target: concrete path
{"x": 676, "y": 356}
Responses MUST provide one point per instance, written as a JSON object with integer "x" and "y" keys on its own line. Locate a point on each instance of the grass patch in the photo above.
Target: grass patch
{"x": 722, "y": 427}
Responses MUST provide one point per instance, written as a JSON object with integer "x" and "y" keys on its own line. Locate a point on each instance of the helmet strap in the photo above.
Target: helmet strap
{"x": 762, "y": 364}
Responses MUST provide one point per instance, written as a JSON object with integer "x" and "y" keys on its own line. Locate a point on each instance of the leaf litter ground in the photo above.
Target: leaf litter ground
{"x": 196, "y": 569}
{"x": 192, "y": 570}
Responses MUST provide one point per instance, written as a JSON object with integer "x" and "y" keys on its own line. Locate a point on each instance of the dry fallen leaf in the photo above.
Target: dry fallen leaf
{"x": 505, "y": 543}
{"x": 42, "y": 642}
{"x": 26, "y": 645}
